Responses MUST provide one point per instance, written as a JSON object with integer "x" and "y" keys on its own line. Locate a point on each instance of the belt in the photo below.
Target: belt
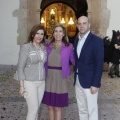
{"x": 54, "y": 67}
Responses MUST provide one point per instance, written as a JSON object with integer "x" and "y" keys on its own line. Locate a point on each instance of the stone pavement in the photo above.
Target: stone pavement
{"x": 13, "y": 107}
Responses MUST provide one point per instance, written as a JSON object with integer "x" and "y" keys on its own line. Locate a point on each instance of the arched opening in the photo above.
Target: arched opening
{"x": 62, "y": 12}
{"x": 59, "y": 13}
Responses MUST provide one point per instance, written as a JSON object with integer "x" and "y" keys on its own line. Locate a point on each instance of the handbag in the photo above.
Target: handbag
{"x": 15, "y": 77}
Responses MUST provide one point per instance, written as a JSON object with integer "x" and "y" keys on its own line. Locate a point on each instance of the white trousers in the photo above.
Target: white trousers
{"x": 33, "y": 94}
{"x": 87, "y": 103}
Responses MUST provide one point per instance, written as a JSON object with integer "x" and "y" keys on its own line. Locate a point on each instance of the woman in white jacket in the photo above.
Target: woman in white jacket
{"x": 31, "y": 71}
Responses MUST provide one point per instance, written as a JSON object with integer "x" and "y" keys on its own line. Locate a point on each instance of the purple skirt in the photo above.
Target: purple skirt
{"x": 56, "y": 100}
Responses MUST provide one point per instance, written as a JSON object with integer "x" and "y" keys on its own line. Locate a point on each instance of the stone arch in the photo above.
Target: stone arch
{"x": 80, "y": 7}
{"x": 28, "y": 14}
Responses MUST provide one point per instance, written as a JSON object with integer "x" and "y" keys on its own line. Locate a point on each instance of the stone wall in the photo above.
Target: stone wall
{"x": 9, "y": 49}
{"x": 104, "y": 18}
{"x": 28, "y": 15}
{"x": 114, "y": 19}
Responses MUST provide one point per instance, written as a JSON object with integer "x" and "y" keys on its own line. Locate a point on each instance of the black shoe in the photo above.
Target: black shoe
{"x": 110, "y": 75}
{"x": 118, "y": 75}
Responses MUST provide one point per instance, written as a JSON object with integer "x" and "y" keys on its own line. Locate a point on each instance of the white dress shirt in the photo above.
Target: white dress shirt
{"x": 81, "y": 43}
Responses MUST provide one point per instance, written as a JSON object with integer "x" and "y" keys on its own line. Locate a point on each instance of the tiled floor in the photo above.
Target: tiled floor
{"x": 13, "y": 107}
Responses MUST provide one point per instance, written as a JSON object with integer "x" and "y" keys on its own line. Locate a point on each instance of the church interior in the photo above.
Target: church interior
{"x": 59, "y": 13}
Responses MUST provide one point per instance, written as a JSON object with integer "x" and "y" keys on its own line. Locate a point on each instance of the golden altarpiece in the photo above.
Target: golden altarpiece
{"x": 55, "y": 11}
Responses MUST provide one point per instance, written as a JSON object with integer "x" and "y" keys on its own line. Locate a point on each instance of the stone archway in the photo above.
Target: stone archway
{"x": 97, "y": 12}
{"x": 61, "y": 12}
{"x": 80, "y": 7}
{"x": 29, "y": 14}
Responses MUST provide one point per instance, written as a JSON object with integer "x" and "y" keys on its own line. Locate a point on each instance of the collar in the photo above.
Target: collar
{"x": 34, "y": 46}
{"x": 85, "y": 36}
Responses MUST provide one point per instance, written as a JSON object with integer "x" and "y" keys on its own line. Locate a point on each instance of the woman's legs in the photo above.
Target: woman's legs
{"x": 32, "y": 100}
{"x": 51, "y": 112}
{"x": 112, "y": 71}
{"x": 117, "y": 70}
{"x": 41, "y": 89}
{"x": 55, "y": 113}
{"x": 58, "y": 113}
{"x": 33, "y": 94}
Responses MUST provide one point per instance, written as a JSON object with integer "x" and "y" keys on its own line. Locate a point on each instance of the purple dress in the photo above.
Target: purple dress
{"x": 56, "y": 93}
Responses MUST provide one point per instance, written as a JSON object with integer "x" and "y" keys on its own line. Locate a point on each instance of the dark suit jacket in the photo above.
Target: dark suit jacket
{"x": 90, "y": 62}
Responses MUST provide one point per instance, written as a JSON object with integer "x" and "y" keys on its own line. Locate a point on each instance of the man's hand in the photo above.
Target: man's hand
{"x": 93, "y": 89}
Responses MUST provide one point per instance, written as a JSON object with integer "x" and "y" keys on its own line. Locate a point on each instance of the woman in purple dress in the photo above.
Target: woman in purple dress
{"x": 60, "y": 54}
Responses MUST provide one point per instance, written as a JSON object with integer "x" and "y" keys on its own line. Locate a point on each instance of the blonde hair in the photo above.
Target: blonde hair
{"x": 65, "y": 39}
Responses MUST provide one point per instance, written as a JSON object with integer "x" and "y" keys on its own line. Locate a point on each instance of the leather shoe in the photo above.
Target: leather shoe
{"x": 118, "y": 75}
{"x": 110, "y": 75}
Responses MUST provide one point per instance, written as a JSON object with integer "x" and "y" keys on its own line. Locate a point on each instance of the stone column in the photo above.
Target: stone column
{"x": 38, "y": 2}
{"x": 22, "y": 17}
{"x": 104, "y": 18}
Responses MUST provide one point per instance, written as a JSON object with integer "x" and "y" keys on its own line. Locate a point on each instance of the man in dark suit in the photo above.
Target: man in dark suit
{"x": 89, "y": 59}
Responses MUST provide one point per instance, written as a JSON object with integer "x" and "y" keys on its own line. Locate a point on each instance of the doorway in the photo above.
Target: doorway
{"x": 62, "y": 12}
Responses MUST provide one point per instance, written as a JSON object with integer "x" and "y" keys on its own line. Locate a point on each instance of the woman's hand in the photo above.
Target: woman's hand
{"x": 21, "y": 90}
{"x": 117, "y": 46}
